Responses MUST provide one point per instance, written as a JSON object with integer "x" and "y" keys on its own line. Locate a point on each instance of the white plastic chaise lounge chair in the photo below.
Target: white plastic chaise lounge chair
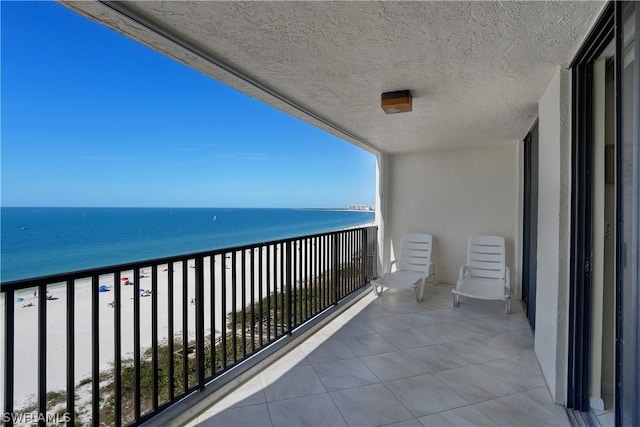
{"x": 414, "y": 266}
{"x": 485, "y": 275}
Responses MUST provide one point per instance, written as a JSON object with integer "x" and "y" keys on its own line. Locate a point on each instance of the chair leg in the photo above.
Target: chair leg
{"x": 433, "y": 273}
{"x": 420, "y": 292}
{"x": 375, "y": 289}
{"x": 456, "y": 299}
{"x": 507, "y": 306}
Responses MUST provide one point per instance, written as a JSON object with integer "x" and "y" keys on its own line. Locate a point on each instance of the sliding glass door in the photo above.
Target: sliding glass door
{"x": 530, "y": 225}
{"x": 606, "y": 173}
{"x": 628, "y": 215}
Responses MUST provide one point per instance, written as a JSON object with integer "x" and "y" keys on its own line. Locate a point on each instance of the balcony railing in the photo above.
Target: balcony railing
{"x": 117, "y": 345}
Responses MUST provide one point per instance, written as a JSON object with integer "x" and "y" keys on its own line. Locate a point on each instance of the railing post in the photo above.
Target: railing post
{"x": 170, "y": 333}
{"x": 185, "y": 325}
{"x": 154, "y": 335}
{"x": 253, "y": 299}
{"x": 42, "y": 352}
{"x": 223, "y": 311}
{"x": 9, "y": 354}
{"x": 374, "y": 253}
{"x": 363, "y": 257}
{"x": 288, "y": 279}
{"x": 71, "y": 357}
{"x": 200, "y": 356}
{"x": 268, "y": 277}
{"x": 117, "y": 347}
{"x": 234, "y": 304}
{"x": 260, "y": 281}
{"x": 136, "y": 343}
{"x": 212, "y": 296}
{"x": 95, "y": 350}
{"x": 243, "y": 297}
{"x": 334, "y": 267}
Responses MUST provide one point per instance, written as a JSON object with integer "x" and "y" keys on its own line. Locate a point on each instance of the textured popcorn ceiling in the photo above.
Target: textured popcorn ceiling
{"x": 476, "y": 69}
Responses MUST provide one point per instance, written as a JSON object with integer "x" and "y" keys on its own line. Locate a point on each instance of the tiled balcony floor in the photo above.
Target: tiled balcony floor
{"x": 392, "y": 361}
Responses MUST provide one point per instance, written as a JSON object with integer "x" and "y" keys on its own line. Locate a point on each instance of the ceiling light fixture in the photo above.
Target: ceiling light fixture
{"x": 396, "y": 102}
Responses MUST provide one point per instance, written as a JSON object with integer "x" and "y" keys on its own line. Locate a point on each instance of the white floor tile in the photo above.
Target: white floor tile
{"x": 408, "y": 338}
{"x": 364, "y": 345}
{"x": 465, "y": 416}
{"x": 425, "y": 395}
{"x": 521, "y": 371}
{"x": 474, "y": 350}
{"x": 474, "y": 384}
{"x": 297, "y": 382}
{"x": 344, "y": 374}
{"x": 327, "y": 351}
{"x": 317, "y": 411}
{"x": 518, "y": 409}
{"x": 254, "y": 415}
{"x": 435, "y": 358}
{"x": 372, "y": 405}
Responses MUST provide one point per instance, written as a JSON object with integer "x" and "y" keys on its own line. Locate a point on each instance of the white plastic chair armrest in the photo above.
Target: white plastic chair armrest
{"x": 391, "y": 265}
{"x": 463, "y": 272}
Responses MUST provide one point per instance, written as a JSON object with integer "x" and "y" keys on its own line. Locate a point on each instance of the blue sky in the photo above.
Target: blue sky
{"x": 91, "y": 118}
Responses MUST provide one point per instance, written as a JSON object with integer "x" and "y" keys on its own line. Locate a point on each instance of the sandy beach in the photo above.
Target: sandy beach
{"x": 26, "y": 345}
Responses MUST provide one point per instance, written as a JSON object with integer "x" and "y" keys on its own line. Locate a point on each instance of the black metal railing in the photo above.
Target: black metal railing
{"x": 117, "y": 345}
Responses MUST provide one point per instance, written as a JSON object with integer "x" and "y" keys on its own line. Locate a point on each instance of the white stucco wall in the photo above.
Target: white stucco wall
{"x": 552, "y": 298}
{"x": 451, "y": 195}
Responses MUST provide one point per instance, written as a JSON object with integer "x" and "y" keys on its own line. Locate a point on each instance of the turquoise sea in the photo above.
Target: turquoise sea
{"x": 41, "y": 241}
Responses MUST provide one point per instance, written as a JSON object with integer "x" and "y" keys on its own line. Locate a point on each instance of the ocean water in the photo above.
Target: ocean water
{"x": 41, "y": 241}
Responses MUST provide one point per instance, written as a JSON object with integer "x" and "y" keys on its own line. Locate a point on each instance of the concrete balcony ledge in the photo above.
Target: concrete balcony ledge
{"x": 392, "y": 361}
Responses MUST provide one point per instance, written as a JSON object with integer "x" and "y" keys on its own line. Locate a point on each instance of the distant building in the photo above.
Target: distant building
{"x": 360, "y": 208}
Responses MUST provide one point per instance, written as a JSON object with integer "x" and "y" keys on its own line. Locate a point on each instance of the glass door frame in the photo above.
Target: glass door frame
{"x": 579, "y": 349}
{"x": 608, "y": 28}
{"x": 530, "y": 224}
